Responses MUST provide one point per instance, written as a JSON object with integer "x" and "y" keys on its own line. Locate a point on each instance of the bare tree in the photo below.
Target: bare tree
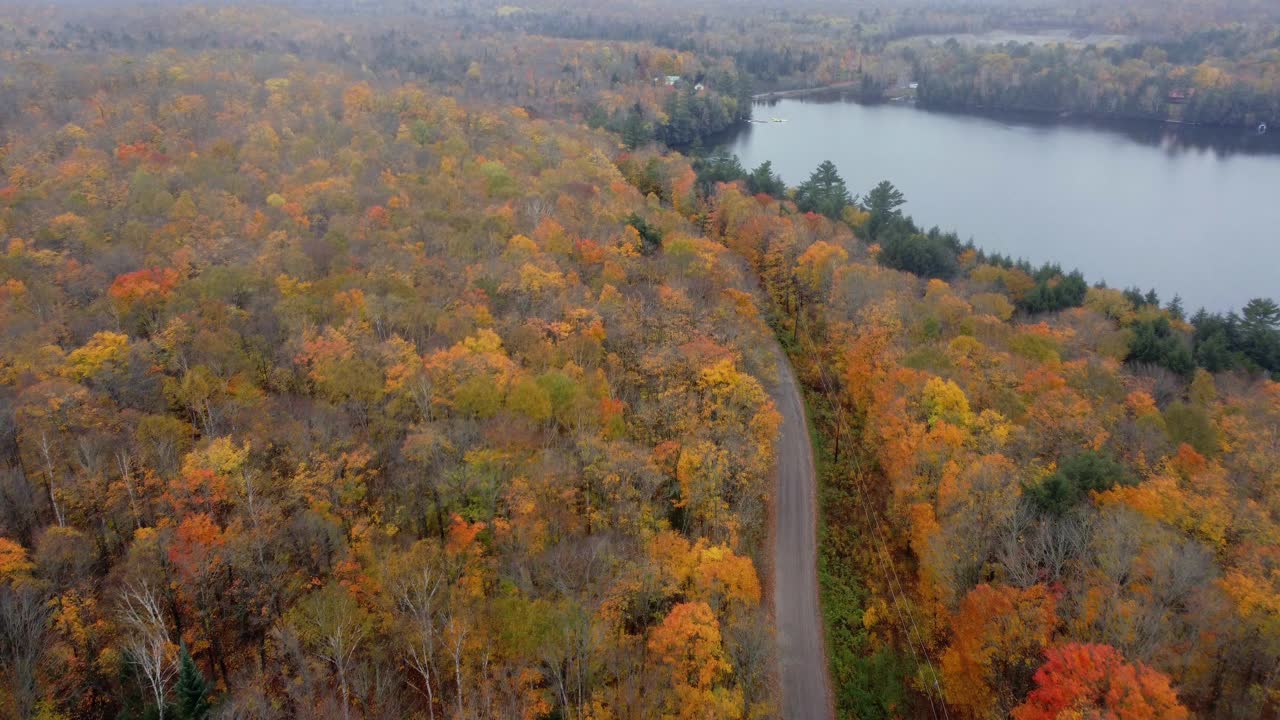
{"x": 124, "y": 463}
{"x": 19, "y": 500}
{"x": 1036, "y": 548}
{"x": 419, "y": 598}
{"x": 1156, "y": 583}
{"x": 753, "y": 650}
{"x": 333, "y": 625}
{"x": 147, "y": 642}
{"x": 576, "y": 569}
{"x": 24, "y": 619}
{"x": 45, "y": 446}
{"x": 457, "y": 633}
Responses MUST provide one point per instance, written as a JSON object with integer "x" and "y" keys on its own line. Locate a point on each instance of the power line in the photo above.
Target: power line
{"x": 888, "y": 570}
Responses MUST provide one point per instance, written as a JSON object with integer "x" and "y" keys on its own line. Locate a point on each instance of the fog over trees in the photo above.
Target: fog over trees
{"x": 413, "y": 359}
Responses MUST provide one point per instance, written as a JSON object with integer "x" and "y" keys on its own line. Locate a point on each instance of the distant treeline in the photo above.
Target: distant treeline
{"x": 1182, "y": 80}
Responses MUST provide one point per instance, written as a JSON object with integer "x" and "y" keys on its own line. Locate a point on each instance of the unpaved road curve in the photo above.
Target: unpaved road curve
{"x": 806, "y": 691}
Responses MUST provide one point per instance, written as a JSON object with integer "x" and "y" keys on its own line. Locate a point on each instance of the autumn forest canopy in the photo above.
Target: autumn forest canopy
{"x": 417, "y": 360}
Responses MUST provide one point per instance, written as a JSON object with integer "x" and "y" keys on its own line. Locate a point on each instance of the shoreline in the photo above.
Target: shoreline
{"x": 987, "y": 111}
{"x": 799, "y": 92}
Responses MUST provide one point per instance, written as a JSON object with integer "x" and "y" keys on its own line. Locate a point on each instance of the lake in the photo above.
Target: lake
{"x": 1188, "y": 211}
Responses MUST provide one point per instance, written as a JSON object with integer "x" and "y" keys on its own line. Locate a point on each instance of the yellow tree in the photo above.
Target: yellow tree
{"x": 999, "y": 633}
{"x": 690, "y": 660}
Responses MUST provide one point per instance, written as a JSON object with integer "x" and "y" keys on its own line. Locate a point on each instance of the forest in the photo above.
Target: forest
{"x": 1211, "y": 63}
{"x": 1231, "y": 78}
{"x": 1029, "y": 508}
{"x": 368, "y": 402}
{"x": 381, "y": 360}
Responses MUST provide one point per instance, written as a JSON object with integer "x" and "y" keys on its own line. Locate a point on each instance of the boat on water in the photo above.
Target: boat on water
{"x": 778, "y": 120}
{"x": 1262, "y": 128}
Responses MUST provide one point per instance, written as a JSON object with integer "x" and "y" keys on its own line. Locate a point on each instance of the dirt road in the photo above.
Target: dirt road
{"x": 806, "y": 691}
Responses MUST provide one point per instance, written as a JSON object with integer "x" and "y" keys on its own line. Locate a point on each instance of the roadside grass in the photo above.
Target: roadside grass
{"x": 868, "y": 682}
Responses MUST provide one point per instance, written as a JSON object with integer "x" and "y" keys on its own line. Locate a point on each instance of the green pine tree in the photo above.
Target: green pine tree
{"x": 192, "y": 690}
{"x": 883, "y": 202}
{"x": 635, "y": 132}
{"x": 764, "y": 180}
{"x": 824, "y": 192}
{"x": 885, "y": 198}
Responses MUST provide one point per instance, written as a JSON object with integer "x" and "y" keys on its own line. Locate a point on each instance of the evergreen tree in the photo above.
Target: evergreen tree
{"x": 930, "y": 255}
{"x": 1155, "y": 342}
{"x": 635, "y": 132}
{"x": 650, "y": 236}
{"x": 192, "y": 690}
{"x": 1135, "y": 297}
{"x": 597, "y": 117}
{"x": 741, "y": 91}
{"x": 885, "y": 199}
{"x": 1077, "y": 476}
{"x": 1261, "y": 313}
{"x": 764, "y": 180}
{"x": 1055, "y": 291}
{"x": 1261, "y": 330}
{"x": 883, "y": 202}
{"x": 1217, "y": 341}
{"x": 824, "y": 192}
{"x": 696, "y": 149}
{"x": 678, "y": 129}
{"x": 1225, "y": 342}
{"x": 721, "y": 167}
{"x": 1214, "y": 353}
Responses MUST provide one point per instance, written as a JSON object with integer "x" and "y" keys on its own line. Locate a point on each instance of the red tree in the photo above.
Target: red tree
{"x": 1079, "y": 680}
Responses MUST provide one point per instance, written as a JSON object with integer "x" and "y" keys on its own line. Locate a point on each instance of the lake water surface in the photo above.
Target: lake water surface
{"x": 1188, "y": 211}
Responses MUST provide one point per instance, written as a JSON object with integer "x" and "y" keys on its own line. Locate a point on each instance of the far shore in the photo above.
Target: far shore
{"x": 778, "y": 94}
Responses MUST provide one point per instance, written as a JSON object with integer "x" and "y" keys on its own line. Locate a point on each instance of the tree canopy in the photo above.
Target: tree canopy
{"x": 824, "y": 192}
